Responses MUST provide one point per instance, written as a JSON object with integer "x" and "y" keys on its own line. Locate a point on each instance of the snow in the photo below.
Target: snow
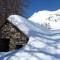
{"x": 51, "y": 18}
{"x": 43, "y": 44}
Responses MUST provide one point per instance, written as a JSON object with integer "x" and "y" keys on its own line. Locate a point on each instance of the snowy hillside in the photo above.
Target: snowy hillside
{"x": 50, "y": 19}
{"x": 43, "y": 44}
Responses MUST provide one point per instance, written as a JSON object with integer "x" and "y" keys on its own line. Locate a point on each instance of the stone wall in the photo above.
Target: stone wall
{"x": 16, "y": 37}
{"x": 7, "y": 30}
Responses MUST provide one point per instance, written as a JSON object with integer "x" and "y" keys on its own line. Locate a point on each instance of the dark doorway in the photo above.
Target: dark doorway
{"x": 4, "y": 44}
{"x": 19, "y": 46}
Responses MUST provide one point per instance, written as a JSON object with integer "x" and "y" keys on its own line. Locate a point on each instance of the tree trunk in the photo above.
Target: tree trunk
{"x": 8, "y": 7}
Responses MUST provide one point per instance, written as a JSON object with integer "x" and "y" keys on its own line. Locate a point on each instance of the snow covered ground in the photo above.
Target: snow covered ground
{"x": 49, "y": 18}
{"x": 44, "y": 43}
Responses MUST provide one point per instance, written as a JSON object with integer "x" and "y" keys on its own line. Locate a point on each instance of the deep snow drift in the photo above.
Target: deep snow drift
{"x": 44, "y": 44}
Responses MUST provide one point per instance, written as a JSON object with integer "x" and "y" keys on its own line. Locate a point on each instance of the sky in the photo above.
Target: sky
{"x": 37, "y": 5}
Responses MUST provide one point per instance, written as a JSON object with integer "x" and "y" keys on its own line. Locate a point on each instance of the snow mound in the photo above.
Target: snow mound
{"x": 49, "y": 19}
{"x": 44, "y": 44}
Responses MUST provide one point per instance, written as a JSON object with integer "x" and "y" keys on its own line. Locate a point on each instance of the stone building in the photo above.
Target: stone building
{"x": 15, "y": 36}
{"x": 8, "y": 32}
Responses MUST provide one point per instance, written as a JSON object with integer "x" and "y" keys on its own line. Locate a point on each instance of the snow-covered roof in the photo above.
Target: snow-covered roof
{"x": 44, "y": 44}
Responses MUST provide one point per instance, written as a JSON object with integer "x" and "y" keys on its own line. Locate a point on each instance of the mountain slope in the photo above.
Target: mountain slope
{"x": 50, "y": 19}
{"x": 44, "y": 44}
